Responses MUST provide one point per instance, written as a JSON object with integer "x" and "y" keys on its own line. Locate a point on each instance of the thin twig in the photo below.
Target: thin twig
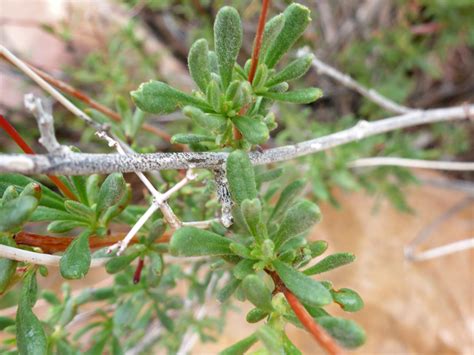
{"x": 85, "y": 164}
{"x": 346, "y": 80}
{"x": 68, "y": 89}
{"x": 258, "y": 39}
{"x": 44, "y": 117}
{"x": 412, "y": 163}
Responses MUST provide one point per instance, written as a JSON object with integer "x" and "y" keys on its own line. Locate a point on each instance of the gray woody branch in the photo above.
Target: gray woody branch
{"x": 83, "y": 164}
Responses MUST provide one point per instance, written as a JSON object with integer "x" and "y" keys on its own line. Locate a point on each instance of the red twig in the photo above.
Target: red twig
{"x": 13, "y": 133}
{"x": 138, "y": 271}
{"x": 258, "y": 39}
{"x": 255, "y": 54}
{"x": 305, "y": 318}
{"x": 50, "y": 244}
{"x": 68, "y": 89}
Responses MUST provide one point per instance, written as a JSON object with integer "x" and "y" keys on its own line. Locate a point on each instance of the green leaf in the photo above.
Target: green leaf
{"x": 214, "y": 95}
{"x": 48, "y": 197}
{"x": 241, "y": 346}
{"x": 269, "y": 175}
{"x": 79, "y": 209}
{"x": 5, "y": 322}
{"x": 227, "y": 41}
{"x": 241, "y": 177}
{"x": 254, "y": 130}
{"x": 252, "y": 212}
{"x": 16, "y": 212}
{"x": 228, "y": 290}
{"x": 346, "y": 332}
{"x": 119, "y": 263}
{"x": 243, "y": 268}
{"x": 348, "y": 299}
{"x": 9, "y": 194}
{"x": 76, "y": 261}
{"x": 80, "y": 183}
{"x": 32, "y": 189}
{"x": 63, "y": 226}
{"x": 189, "y": 138}
{"x": 191, "y": 241}
{"x": 298, "y": 219}
{"x": 300, "y": 96}
{"x": 330, "y": 262}
{"x": 271, "y": 339}
{"x": 43, "y": 213}
{"x": 198, "y": 63}
{"x": 297, "y": 18}
{"x": 307, "y": 290}
{"x": 287, "y": 197}
{"x": 7, "y": 266}
{"x": 318, "y": 247}
{"x": 211, "y": 122}
{"x": 256, "y": 315}
{"x": 257, "y": 292}
{"x": 272, "y": 29}
{"x": 290, "y": 348}
{"x": 92, "y": 188}
{"x": 111, "y": 192}
{"x": 30, "y": 336}
{"x": 240, "y": 250}
{"x": 295, "y": 70}
{"x": 158, "y": 97}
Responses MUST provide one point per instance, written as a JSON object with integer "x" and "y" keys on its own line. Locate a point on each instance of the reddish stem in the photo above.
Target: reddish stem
{"x": 13, "y": 133}
{"x": 258, "y": 39}
{"x": 255, "y": 54}
{"x": 68, "y": 89}
{"x": 305, "y": 318}
{"x": 138, "y": 271}
{"x": 50, "y": 244}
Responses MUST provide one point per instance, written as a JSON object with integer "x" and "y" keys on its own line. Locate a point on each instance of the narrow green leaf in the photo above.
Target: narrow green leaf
{"x": 330, "y": 262}
{"x": 272, "y": 29}
{"x": 92, "y": 188}
{"x": 63, "y": 226}
{"x": 346, "y": 332}
{"x": 241, "y": 177}
{"x": 43, "y": 213}
{"x": 253, "y": 130}
{"x": 297, "y": 18}
{"x": 211, "y": 122}
{"x": 241, "y": 346}
{"x": 79, "y": 209}
{"x": 257, "y": 292}
{"x": 198, "y": 63}
{"x": 158, "y": 97}
{"x": 240, "y": 250}
{"x": 30, "y": 336}
{"x": 119, "y": 263}
{"x": 214, "y": 95}
{"x": 269, "y": 175}
{"x": 6, "y": 322}
{"x": 7, "y": 266}
{"x": 189, "y": 138}
{"x": 287, "y": 197}
{"x": 300, "y": 96}
{"x": 252, "y": 212}
{"x": 16, "y": 212}
{"x": 348, "y": 299}
{"x": 256, "y": 315}
{"x": 80, "y": 185}
{"x": 111, "y": 192}
{"x": 9, "y": 194}
{"x": 227, "y": 41}
{"x": 295, "y": 70}
{"x": 32, "y": 189}
{"x": 298, "y": 219}
{"x": 224, "y": 293}
{"x": 76, "y": 261}
{"x": 271, "y": 339}
{"x": 318, "y": 247}
{"x": 290, "y": 348}
{"x": 307, "y": 290}
{"x": 190, "y": 241}
{"x": 243, "y": 268}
